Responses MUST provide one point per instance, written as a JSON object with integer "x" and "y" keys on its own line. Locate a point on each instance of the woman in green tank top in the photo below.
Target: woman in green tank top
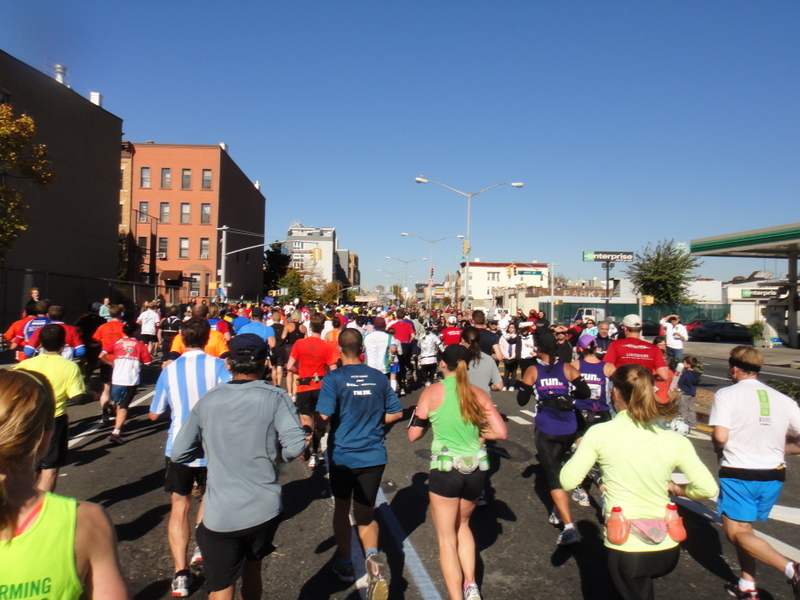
{"x": 461, "y": 416}
{"x": 50, "y": 546}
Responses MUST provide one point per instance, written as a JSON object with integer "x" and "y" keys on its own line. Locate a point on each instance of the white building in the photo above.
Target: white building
{"x": 486, "y": 279}
{"x": 316, "y": 250}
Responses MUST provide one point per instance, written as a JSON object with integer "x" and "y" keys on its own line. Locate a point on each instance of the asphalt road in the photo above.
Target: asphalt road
{"x": 518, "y": 554}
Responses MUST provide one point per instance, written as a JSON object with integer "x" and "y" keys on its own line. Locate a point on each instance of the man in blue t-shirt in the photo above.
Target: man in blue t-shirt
{"x": 357, "y": 400}
{"x": 265, "y": 332}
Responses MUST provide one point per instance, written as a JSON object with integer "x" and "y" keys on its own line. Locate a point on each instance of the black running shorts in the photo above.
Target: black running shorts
{"x": 180, "y": 479}
{"x": 359, "y": 484}
{"x": 455, "y": 484}
{"x": 56, "y": 455}
{"x": 552, "y": 449}
{"x": 307, "y": 402}
{"x": 224, "y": 553}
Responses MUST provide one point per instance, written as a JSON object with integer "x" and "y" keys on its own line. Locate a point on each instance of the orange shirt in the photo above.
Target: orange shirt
{"x": 313, "y": 356}
{"x": 16, "y": 329}
{"x": 216, "y": 345}
{"x": 108, "y": 333}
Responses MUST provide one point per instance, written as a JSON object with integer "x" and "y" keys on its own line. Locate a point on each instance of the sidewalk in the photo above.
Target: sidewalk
{"x": 774, "y": 357}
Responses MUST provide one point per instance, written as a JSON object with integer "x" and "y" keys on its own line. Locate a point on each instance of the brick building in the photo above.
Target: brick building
{"x": 174, "y": 198}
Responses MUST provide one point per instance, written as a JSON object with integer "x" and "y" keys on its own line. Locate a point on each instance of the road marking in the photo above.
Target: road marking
{"x": 413, "y": 564}
{"x": 698, "y": 435}
{"x": 520, "y": 421}
{"x": 84, "y": 434}
{"x": 715, "y": 377}
{"x": 531, "y": 414}
{"x": 780, "y": 374}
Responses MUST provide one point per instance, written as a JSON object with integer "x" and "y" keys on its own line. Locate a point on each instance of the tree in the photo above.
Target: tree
{"x": 276, "y": 264}
{"x": 665, "y": 272}
{"x": 20, "y": 160}
{"x": 331, "y": 292}
{"x": 296, "y": 285}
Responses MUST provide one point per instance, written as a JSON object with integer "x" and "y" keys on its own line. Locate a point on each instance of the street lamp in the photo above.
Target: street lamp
{"x": 432, "y": 242}
{"x": 466, "y": 241}
{"x": 406, "y": 263}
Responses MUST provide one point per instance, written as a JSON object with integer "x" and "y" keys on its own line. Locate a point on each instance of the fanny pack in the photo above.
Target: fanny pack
{"x": 307, "y": 380}
{"x": 655, "y": 531}
{"x": 564, "y": 403}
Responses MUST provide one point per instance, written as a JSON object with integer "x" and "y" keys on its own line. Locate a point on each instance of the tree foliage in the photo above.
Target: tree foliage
{"x": 296, "y": 285}
{"x": 664, "y": 271}
{"x": 21, "y": 161}
{"x": 276, "y": 265}
{"x": 331, "y": 292}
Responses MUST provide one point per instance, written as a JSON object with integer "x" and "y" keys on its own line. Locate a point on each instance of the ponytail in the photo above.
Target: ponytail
{"x": 635, "y": 384}
{"x": 471, "y": 411}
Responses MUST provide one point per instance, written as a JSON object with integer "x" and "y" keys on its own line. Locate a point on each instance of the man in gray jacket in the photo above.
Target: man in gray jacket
{"x": 243, "y": 500}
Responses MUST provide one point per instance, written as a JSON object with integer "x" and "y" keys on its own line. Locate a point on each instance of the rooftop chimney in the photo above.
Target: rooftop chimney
{"x": 224, "y": 146}
{"x": 61, "y": 74}
{"x": 96, "y": 98}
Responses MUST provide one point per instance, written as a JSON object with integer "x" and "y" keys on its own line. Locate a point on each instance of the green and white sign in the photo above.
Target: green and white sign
{"x": 597, "y": 256}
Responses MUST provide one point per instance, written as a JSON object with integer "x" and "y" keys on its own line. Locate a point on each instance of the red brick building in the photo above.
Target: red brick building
{"x": 173, "y": 200}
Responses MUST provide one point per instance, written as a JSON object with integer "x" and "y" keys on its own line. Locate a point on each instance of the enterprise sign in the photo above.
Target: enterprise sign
{"x": 596, "y": 255}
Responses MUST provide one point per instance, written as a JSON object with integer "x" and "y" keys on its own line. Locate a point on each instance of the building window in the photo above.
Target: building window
{"x": 183, "y": 251}
{"x": 163, "y": 212}
{"x": 186, "y": 179}
{"x": 204, "y": 247}
{"x": 297, "y": 245}
{"x": 121, "y": 213}
{"x": 144, "y": 211}
{"x": 206, "y": 179}
{"x": 163, "y": 246}
{"x": 185, "y": 213}
{"x": 195, "y": 284}
{"x": 4, "y": 97}
{"x": 122, "y": 179}
{"x": 166, "y": 179}
{"x": 144, "y": 179}
{"x": 143, "y": 246}
{"x": 297, "y": 265}
{"x": 205, "y": 214}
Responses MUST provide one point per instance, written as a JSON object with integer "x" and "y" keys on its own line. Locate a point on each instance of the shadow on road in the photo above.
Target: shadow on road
{"x": 132, "y": 489}
{"x": 142, "y": 525}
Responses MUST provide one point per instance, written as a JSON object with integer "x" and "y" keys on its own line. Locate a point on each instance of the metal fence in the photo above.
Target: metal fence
{"x": 687, "y": 312}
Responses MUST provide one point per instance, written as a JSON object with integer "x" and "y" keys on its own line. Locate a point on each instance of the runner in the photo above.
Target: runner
{"x": 178, "y": 389}
{"x": 49, "y": 545}
{"x": 126, "y": 356}
{"x": 73, "y": 344}
{"x": 148, "y": 321}
{"x": 243, "y": 507}
{"x": 379, "y": 348}
{"x": 460, "y": 415}
{"x": 451, "y": 334}
{"x": 67, "y": 383}
{"x": 311, "y": 359}
{"x": 637, "y": 459}
{"x": 106, "y": 335}
{"x": 357, "y": 401}
{"x": 556, "y": 423}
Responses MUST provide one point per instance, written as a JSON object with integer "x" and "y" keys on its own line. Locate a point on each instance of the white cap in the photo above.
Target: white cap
{"x": 632, "y": 321}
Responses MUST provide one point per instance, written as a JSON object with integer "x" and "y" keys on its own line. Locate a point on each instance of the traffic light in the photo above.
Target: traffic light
{"x": 465, "y": 246}
{"x": 431, "y": 272}
{"x": 316, "y": 254}
{"x": 514, "y": 269}
{"x": 508, "y": 270}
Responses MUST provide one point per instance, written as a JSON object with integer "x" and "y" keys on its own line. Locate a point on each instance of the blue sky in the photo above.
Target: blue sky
{"x": 628, "y": 122}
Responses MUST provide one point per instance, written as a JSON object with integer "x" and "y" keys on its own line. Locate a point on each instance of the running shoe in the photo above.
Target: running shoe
{"x": 580, "y": 496}
{"x": 732, "y": 587}
{"x": 482, "y": 498}
{"x": 197, "y": 557}
{"x": 377, "y": 588}
{"x": 312, "y": 461}
{"x": 795, "y": 581}
{"x": 181, "y": 584}
{"x": 568, "y": 537}
{"x": 555, "y": 517}
{"x": 471, "y": 592}
{"x": 344, "y": 571}
{"x": 116, "y": 438}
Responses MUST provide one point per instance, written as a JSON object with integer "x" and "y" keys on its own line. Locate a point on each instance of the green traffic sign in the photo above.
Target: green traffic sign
{"x": 529, "y": 272}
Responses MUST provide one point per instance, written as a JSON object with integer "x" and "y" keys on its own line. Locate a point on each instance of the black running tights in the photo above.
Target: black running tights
{"x": 633, "y": 572}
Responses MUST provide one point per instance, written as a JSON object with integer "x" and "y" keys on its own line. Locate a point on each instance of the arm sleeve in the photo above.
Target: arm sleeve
{"x": 290, "y": 434}
{"x": 188, "y": 444}
{"x": 701, "y": 482}
{"x": 574, "y": 472}
{"x": 524, "y": 392}
{"x": 581, "y": 389}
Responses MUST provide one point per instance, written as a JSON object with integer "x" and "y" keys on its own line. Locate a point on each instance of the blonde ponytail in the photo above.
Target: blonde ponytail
{"x": 471, "y": 411}
{"x": 635, "y": 384}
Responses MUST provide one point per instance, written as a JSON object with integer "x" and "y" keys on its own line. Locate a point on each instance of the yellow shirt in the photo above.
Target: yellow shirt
{"x": 637, "y": 462}
{"x": 64, "y": 376}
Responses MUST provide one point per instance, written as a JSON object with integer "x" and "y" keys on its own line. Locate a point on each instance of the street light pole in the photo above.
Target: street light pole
{"x": 432, "y": 242}
{"x": 467, "y": 247}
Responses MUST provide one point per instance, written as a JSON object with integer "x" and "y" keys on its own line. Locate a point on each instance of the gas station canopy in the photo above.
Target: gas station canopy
{"x": 782, "y": 241}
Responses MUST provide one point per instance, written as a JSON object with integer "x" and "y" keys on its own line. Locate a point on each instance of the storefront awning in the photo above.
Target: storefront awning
{"x": 171, "y": 275}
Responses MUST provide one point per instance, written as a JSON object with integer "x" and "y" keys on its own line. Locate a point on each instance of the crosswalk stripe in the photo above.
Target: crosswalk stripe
{"x": 531, "y": 414}
{"x": 520, "y": 420}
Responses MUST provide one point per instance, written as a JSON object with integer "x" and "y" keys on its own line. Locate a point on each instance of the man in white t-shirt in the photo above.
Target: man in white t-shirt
{"x": 148, "y": 320}
{"x": 379, "y": 346}
{"x": 751, "y": 422}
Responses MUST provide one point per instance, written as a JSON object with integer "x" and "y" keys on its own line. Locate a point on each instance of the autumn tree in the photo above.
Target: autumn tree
{"x": 664, "y": 271}
{"x": 21, "y": 162}
{"x": 331, "y": 292}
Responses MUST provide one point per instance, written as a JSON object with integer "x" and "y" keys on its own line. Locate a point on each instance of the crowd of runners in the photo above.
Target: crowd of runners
{"x": 611, "y": 413}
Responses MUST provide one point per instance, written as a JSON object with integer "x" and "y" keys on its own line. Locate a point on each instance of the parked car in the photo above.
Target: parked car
{"x": 651, "y": 328}
{"x": 720, "y": 331}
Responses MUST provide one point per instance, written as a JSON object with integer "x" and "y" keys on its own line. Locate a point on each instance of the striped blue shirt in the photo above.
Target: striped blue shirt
{"x": 181, "y": 385}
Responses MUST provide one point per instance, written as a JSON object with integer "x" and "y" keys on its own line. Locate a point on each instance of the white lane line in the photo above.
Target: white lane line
{"x": 413, "y": 565}
{"x": 715, "y": 377}
{"x": 520, "y": 421}
{"x": 531, "y": 414}
{"x": 698, "y": 435}
{"x": 84, "y": 434}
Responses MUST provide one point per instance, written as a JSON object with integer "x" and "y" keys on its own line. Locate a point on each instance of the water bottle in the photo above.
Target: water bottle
{"x": 445, "y": 459}
{"x": 675, "y": 528}
{"x": 617, "y": 527}
{"x": 483, "y": 459}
